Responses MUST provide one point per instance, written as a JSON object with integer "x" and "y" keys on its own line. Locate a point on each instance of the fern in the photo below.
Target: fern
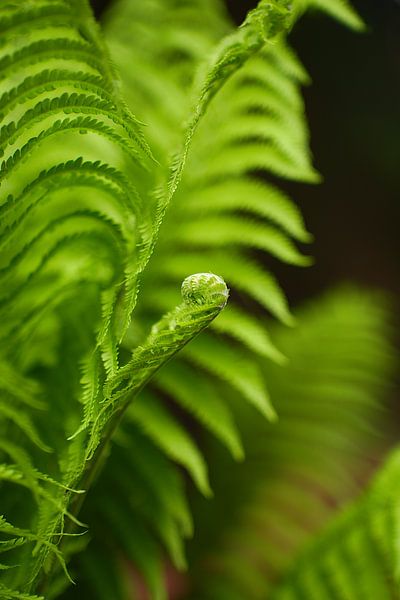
{"x": 52, "y": 235}
{"x": 83, "y": 202}
{"x": 179, "y": 250}
{"x": 253, "y": 122}
{"x": 308, "y": 465}
{"x": 357, "y": 556}
{"x": 58, "y": 221}
{"x": 297, "y": 473}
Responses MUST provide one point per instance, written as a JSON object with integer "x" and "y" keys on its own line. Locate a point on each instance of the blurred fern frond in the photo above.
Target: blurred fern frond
{"x": 305, "y": 468}
{"x": 357, "y": 556}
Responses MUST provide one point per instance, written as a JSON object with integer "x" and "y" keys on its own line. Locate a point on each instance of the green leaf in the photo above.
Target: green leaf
{"x": 169, "y": 435}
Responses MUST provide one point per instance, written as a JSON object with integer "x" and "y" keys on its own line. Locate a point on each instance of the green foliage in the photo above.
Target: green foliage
{"x": 357, "y": 556}
{"x": 77, "y": 230}
{"x": 301, "y": 470}
{"x": 85, "y": 188}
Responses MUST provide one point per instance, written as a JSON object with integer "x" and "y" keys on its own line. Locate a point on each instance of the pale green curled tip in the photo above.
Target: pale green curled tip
{"x": 204, "y": 295}
{"x": 269, "y": 19}
{"x": 205, "y": 288}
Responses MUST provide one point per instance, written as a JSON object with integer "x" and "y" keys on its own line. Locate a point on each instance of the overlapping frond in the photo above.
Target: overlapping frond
{"x": 301, "y": 470}
{"x": 357, "y": 556}
{"x": 74, "y": 229}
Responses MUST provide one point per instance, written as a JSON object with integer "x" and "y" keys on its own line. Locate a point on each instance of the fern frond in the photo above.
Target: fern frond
{"x": 307, "y": 465}
{"x": 9, "y": 594}
{"x": 340, "y": 10}
{"x": 249, "y": 196}
{"x": 248, "y": 330}
{"x": 204, "y": 296}
{"x": 261, "y": 25}
{"x": 194, "y": 393}
{"x": 225, "y": 362}
{"x": 357, "y": 556}
{"x": 166, "y": 433}
{"x": 161, "y": 511}
{"x": 58, "y": 92}
{"x": 236, "y": 231}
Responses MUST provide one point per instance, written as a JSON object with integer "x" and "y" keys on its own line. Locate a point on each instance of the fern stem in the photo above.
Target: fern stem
{"x": 204, "y": 296}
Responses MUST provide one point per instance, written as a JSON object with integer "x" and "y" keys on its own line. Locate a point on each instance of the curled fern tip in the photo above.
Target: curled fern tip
{"x": 205, "y": 288}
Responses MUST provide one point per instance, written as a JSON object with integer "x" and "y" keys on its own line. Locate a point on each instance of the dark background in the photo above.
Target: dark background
{"x": 353, "y": 109}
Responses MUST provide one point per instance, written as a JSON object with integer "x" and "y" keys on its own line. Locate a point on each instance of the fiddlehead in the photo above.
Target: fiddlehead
{"x": 204, "y": 295}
